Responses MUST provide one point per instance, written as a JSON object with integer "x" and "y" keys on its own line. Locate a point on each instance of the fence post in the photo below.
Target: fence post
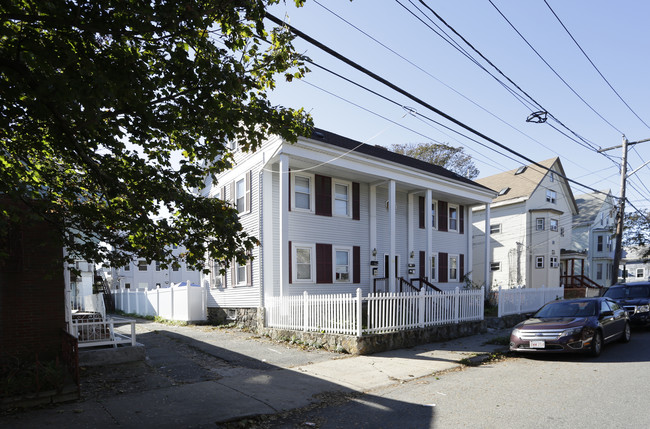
{"x": 500, "y": 303}
{"x": 421, "y": 298}
{"x": 519, "y": 296}
{"x": 305, "y": 311}
{"x": 359, "y": 313}
{"x": 456, "y": 304}
{"x": 171, "y": 295}
{"x": 157, "y": 310}
{"x": 482, "y": 298}
{"x": 128, "y": 301}
{"x": 189, "y": 303}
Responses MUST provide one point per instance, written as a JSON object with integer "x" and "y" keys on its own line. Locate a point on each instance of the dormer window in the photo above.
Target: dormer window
{"x": 504, "y": 191}
{"x": 520, "y": 170}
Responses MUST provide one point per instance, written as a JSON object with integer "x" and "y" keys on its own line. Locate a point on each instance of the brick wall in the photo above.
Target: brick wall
{"x": 32, "y": 309}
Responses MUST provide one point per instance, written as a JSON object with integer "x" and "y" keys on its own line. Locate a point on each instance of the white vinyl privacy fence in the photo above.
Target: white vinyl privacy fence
{"x": 376, "y": 313}
{"x": 526, "y": 300}
{"x": 183, "y": 303}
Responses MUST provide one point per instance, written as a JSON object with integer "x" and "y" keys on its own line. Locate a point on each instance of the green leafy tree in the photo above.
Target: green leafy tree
{"x": 636, "y": 231}
{"x": 452, "y": 158}
{"x": 113, "y": 113}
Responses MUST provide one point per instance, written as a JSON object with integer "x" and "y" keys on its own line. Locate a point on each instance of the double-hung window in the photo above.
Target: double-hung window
{"x": 540, "y": 224}
{"x": 304, "y": 263}
{"x": 240, "y": 195}
{"x": 599, "y": 246}
{"x": 551, "y": 196}
{"x": 433, "y": 214}
{"x": 303, "y": 192}
{"x": 240, "y": 273}
{"x": 495, "y": 266}
{"x": 434, "y": 267}
{"x": 342, "y": 266}
{"x": 553, "y": 262}
{"x": 539, "y": 262}
{"x": 599, "y": 271}
{"x": 495, "y": 228}
{"x": 553, "y": 224}
{"x": 453, "y": 218}
{"x": 453, "y": 268}
{"x": 142, "y": 265}
{"x": 342, "y": 198}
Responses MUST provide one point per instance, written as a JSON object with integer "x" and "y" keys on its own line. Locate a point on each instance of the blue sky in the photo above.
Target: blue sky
{"x": 613, "y": 34}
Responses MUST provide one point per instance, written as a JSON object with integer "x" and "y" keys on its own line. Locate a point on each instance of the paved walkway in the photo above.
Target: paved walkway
{"x": 199, "y": 376}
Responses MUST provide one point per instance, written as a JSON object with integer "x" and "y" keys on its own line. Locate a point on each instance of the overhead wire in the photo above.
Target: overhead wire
{"x": 400, "y": 90}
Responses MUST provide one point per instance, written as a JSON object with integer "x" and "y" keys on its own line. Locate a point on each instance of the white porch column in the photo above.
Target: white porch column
{"x": 488, "y": 254}
{"x": 269, "y": 241}
{"x": 373, "y": 227}
{"x": 392, "y": 247}
{"x": 284, "y": 224}
{"x": 411, "y": 212}
{"x": 429, "y": 228}
{"x": 469, "y": 260}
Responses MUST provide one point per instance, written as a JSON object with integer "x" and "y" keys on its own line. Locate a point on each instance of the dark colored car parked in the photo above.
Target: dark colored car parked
{"x": 574, "y": 325}
{"x": 635, "y": 298}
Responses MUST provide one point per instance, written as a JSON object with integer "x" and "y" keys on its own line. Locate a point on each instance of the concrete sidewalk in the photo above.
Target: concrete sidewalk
{"x": 200, "y": 376}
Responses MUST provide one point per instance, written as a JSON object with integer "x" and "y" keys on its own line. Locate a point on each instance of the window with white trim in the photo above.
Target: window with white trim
{"x": 216, "y": 278}
{"x": 433, "y": 215}
{"x": 539, "y": 262}
{"x": 639, "y": 272}
{"x": 495, "y": 266}
{"x": 453, "y": 268}
{"x": 561, "y": 231}
{"x": 540, "y": 224}
{"x": 303, "y": 263}
{"x": 553, "y": 262}
{"x": 553, "y": 225}
{"x": 142, "y": 265}
{"x": 453, "y": 218}
{"x": 342, "y": 264}
{"x": 551, "y": 196}
{"x": 599, "y": 243}
{"x": 342, "y": 196}
{"x": 434, "y": 267}
{"x": 303, "y": 192}
{"x": 599, "y": 271}
{"x": 127, "y": 267}
{"x": 240, "y": 195}
{"x": 495, "y": 228}
{"x": 240, "y": 274}
{"x": 157, "y": 265}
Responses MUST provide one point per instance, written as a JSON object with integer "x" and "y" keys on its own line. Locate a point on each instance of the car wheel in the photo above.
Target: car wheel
{"x": 596, "y": 344}
{"x": 627, "y": 333}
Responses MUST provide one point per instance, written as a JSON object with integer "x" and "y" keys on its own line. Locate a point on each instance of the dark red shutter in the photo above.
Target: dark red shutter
{"x": 289, "y": 179}
{"x": 461, "y": 272}
{"x": 356, "y": 264}
{"x": 442, "y": 215}
{"x": 423, "y": 263}
{"x": 421, "y": 211}
{"x": 443, "y": 263}
{"x": 356, "y": 204}
{"x": 461, "y": 219}
{"x": 323, "y": 263}
{"x": 290, "y": 264}
{"x": 323, "y": 185}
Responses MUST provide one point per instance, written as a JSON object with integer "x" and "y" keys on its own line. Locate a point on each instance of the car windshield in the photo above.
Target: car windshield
{"x": 639, "y": 291}
{"x": 567, "y": 309}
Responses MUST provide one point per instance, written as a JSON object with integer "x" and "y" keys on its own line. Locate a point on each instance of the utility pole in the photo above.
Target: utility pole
{"x": 621, "y": 206}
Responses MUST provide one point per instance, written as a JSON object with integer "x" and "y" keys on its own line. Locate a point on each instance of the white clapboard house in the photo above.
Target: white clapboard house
{"x": 334, "y": 215}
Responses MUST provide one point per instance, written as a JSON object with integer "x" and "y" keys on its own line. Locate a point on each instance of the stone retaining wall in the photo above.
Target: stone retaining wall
{"x": 241, "y": 317}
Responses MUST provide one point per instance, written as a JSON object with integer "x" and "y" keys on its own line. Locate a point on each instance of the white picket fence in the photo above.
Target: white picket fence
{"x": 525, "y": 300}
{"x": 183, "y": 303}
{"x": 385, "y": 312}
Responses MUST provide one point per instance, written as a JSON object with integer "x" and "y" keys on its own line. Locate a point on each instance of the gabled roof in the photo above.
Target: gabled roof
{"x": 385, "y": 154}
{"x": 520, "y": 185}
{"x": 589, "y": 205}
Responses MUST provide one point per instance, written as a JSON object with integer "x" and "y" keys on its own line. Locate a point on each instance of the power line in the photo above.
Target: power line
{"x": 413, "y": 97}
{"x": 594, "y": 65}
{"x": 553, "y": 70}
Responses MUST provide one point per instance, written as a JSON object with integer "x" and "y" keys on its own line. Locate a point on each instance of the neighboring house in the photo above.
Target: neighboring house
{"x": 593, "y": 236}
{"x": 334, "y": 215}
{"x": 635, "y": 267}
{"x": 141, "y": 275}
{"x": 79, "y": 282}
{"x": 530, "y": 225}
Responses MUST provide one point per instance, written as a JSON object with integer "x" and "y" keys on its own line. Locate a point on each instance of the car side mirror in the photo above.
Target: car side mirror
{"x": 606, "y": 314}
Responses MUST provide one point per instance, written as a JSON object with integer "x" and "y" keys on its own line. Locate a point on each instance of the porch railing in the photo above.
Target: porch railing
{"x": 375, "y": 313}
{"x": 97, "y": 331}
